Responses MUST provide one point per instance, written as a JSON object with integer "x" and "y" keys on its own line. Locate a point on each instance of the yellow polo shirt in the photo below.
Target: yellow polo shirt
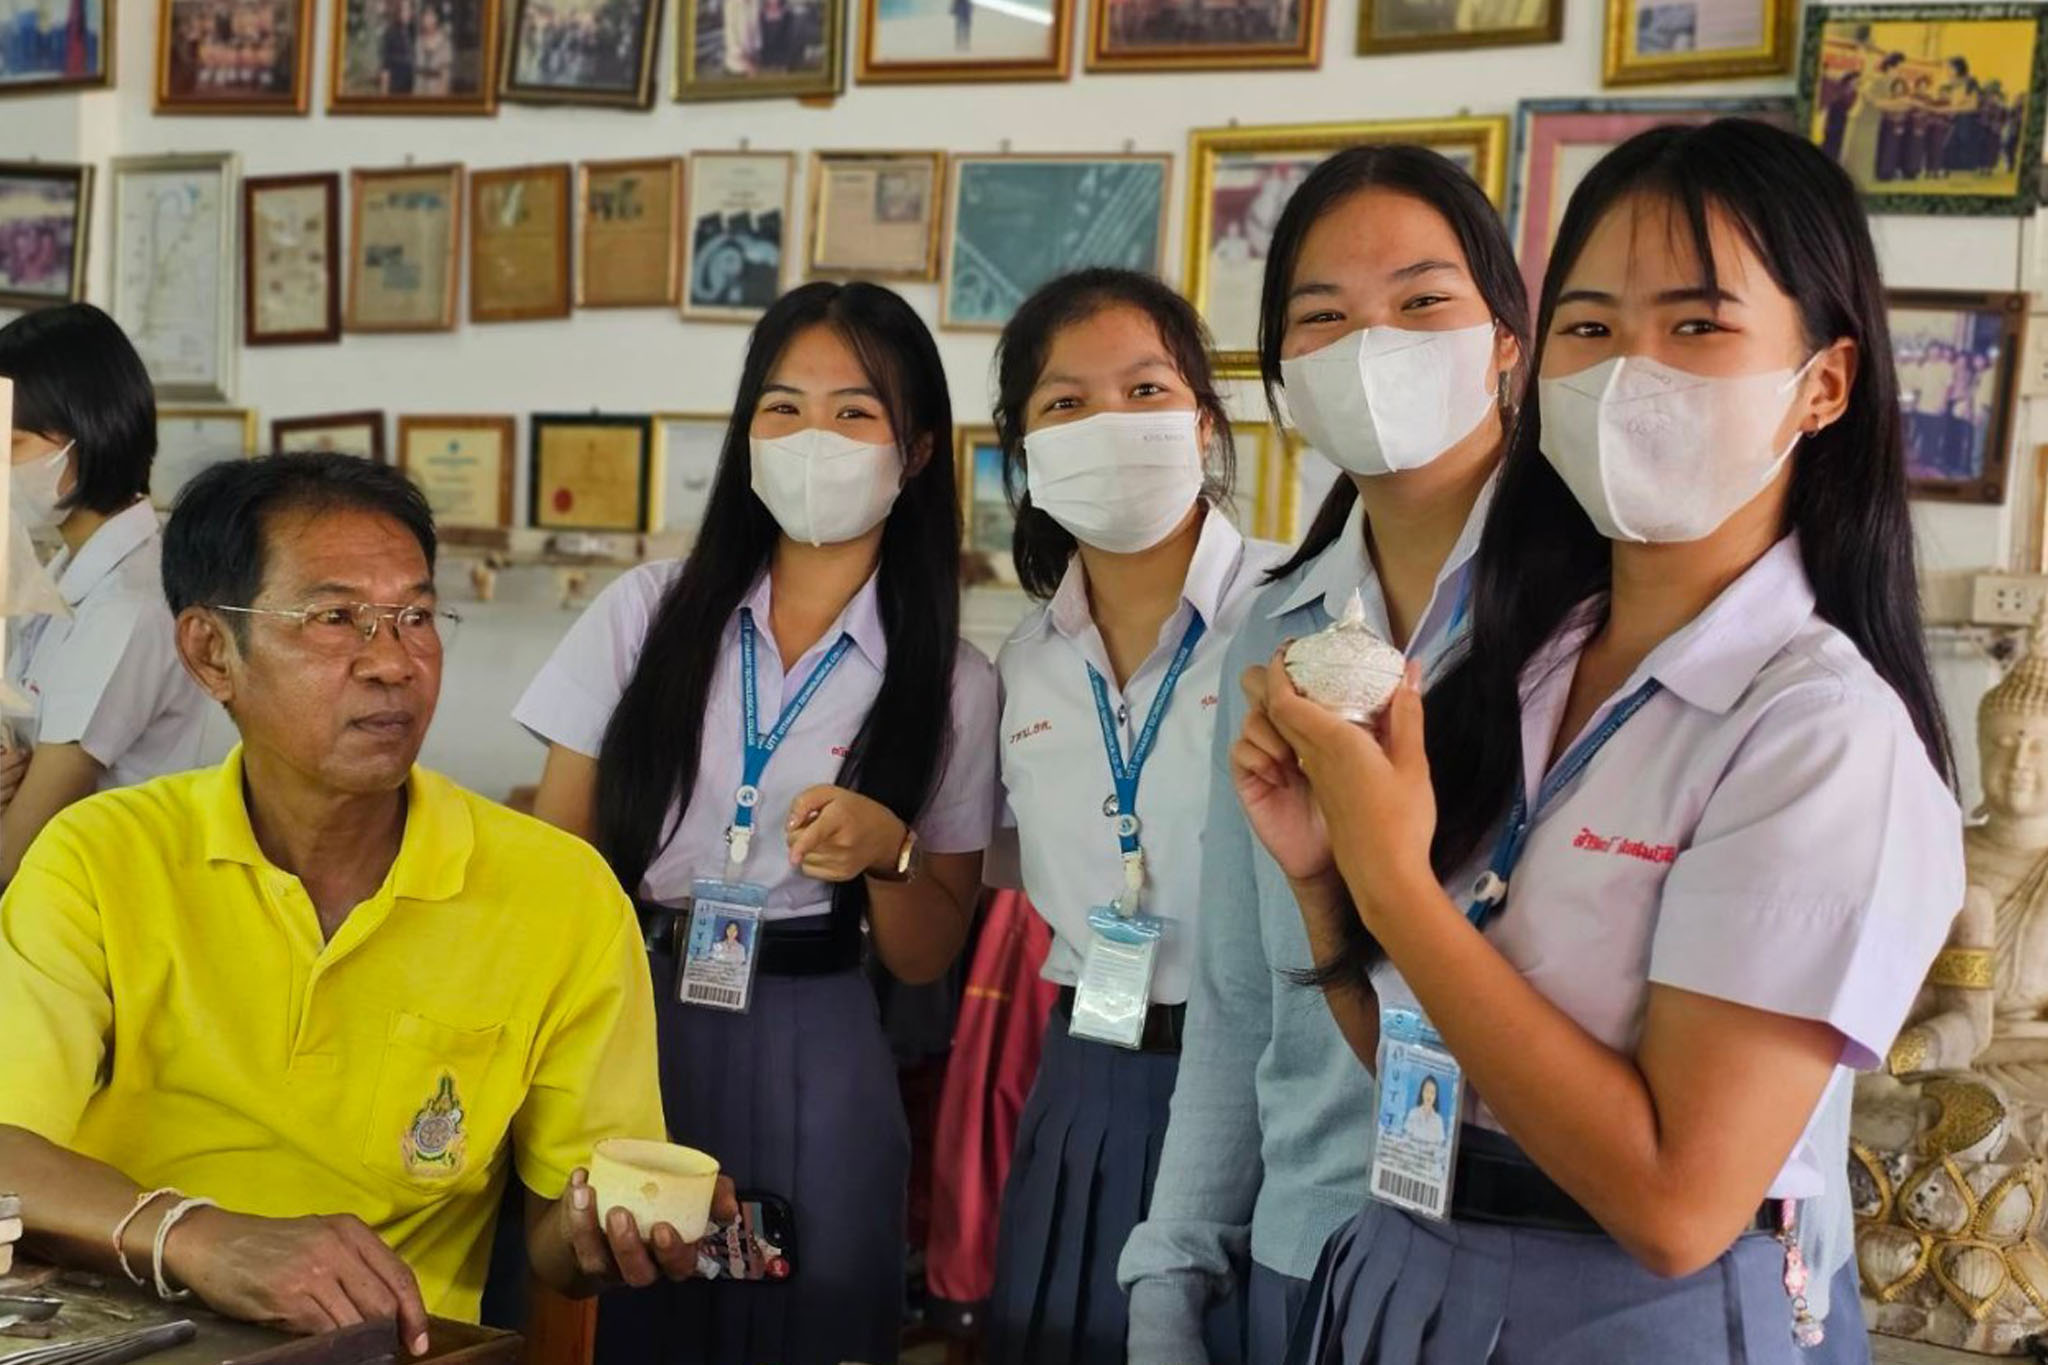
{"x": 167, "y": 1006}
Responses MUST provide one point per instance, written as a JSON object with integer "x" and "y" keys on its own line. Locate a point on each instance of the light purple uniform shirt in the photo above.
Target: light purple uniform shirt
{"x": 571, "y": 701}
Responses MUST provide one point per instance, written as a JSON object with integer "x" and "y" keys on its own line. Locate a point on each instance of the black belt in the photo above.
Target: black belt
{"x": 817, "y": 945}
{"x": 1497, "y": 1183}
{"x": 1163, "y": 1023}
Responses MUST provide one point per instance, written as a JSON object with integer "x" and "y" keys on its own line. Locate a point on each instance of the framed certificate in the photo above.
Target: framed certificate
{"x": 291, "y": 259}
{"x": 876, "y": 214}
{"x": 688, "y": 446}
{"x": 407, "y": 232}
{"x": 174, "y": 270}
{"x": 519, "y": 244}
{"x": 341, "y": 433}
{"x": 591, "y": 472}
{"x": 464, "y": 466}
{"x": 190, "y": 440}
{"x": 627, "y": 213}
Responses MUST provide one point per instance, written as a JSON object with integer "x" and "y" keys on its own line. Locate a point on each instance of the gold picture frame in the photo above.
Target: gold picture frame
{"x": 209, "y": 77}
{"x": 376, "y": 305}
{"x": 1116, "y": 41}
{"x": 819, "y": 77}
{"x": 1272, "y": 456}
{"x": 97, "y": 69}
{"x": 873, "y": 192}
{"x": 631, "y": 84}
{"x": 679, "y": 491}
{"x": 468, "y": 483}
{"x": 178, "y": 462}
{"x": 874, "y": 67}
{"x": 986, "y": 517}
{"x": 358, "y": 58}
{"x": 629, "y": 218}
{"x": 1659, "y": 42}
{"x": 519, "y": 249}
{"x": 1437, "y": 31}
{"x": 1289, "y": 151}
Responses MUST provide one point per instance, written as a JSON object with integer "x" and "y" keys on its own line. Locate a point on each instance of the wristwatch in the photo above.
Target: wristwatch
{"x": 907, "y": 860}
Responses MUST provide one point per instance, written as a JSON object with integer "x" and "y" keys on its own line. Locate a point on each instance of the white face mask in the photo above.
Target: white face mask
{"x": 33, "y": 488}
{"x": 1383, "y": 399}
{"x": 1119, "y": 481}
{"x": 824, "y": 488}
{"x": 1659, "y": 455}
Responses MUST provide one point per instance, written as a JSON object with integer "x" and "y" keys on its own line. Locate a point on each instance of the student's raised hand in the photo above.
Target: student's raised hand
{"x": 836, "y": 835}
{"x": 1373, "y": 789}
{"x": 612, "y": 1249}
{"x": 1274, "y": 792}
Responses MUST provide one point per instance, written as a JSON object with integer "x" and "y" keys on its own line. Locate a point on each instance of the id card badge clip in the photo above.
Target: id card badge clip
{"x": 716, "y": 967}
{"x": 1415, "y": 1126}
{"x": 1115, "y": 988}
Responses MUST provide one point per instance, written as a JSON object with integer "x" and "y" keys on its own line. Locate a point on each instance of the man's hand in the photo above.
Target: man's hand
{"x": 301, "y": 1274}
{"x": 614, "y": 1250}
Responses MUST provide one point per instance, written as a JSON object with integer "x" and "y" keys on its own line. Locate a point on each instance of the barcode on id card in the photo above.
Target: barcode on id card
{"x": 1407, "y": 1191}
{"x": 696, "y": 994}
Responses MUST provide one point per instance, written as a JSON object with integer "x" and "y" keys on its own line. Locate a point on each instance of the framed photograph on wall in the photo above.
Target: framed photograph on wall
{"x": 580, "y": 52}
{"x": 291, "y": 259}
{"x": 51, "y": 47}
{"x": 1016, "y": 222}
{"x": 190, "y": 440}
{"x": 413, "y": 57}
{"x": 174, "y": 270}
{"x": 627, "y": 214}
{"x": 1166, "y": 35}
{"x": 1240, "y": 178}
{"x": 1266, "y": 469}
{"x": 760, "y": 49}
{"x": 1931, "y": 109}
{"x": 737, "y": 249}
{"x": 341, "y": 433}
{"x": 590, "y": 471}
{"x": 1558, "y": 141}
{"x": 404, "y": 242}
{"x": 986, "y": 521}
{"x": 464, "y": 466}
{"x": 248, "y": 57}
{"x": 519, "y": 262}
{"x": 1660, "y": 42}
{"x": 1957, "y": 355}
{"x": 904, "y": 41}
{"x": 1388, "y": 26}
{"x": 687, "y": 447}
{"x": 876, "y": 214}
{"x": 45, "y": 222}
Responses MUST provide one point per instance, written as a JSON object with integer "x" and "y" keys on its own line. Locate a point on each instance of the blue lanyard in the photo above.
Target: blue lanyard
{"x": 1492, "y": 890}
{"x": 1125, "y": 775}
{"x": 757, "y": 749}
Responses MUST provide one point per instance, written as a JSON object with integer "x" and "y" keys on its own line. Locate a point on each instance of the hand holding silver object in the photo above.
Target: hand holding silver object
{"x": 1346, "y": 668}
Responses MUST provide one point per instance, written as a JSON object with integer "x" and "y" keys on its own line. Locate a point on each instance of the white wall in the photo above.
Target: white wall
{"x": 649, "y": 360}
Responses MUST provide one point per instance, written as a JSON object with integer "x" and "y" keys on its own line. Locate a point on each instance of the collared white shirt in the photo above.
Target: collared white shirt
{"x": 1055, "y": 771}
{"x": 107, "y": 677}
{"x": 571, "y": 701}
{"x": 1766, "y": 829}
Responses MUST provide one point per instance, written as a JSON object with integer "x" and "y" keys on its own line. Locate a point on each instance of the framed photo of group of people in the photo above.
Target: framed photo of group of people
{"x": 45, "y": 217}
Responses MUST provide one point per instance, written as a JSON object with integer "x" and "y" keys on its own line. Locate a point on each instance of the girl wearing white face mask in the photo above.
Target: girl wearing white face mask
{"x": 1676, "y": 843}
{"x": 113, "y": 706}
{"x": 1112, "y": 430}
{"x": 749, "y": 737}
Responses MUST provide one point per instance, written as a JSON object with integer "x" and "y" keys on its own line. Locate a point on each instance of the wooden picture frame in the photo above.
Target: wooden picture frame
{"x": 1884, "y": 116}
{"x": 382, "y": 237}
{"x": 349, "y": 433}
{"x": 182, "y": 451}
{"x": 805, "y": 60}
{"x": 200, "y": 70}
{"x": 680, "y": 488}
{"x": 1228, "y": 174}
{"x": 1142, "y": 35}
{"x": 173, "y": 291}
{"x": 1389, "y": 27}
{"x": 1009, "y": 56}
{"x": 987, "y": 520}
{"x": 896, "y": 198}
{"x": 291, "y": 259}
{"x": 1958, "y": 354}
{"x": 574, "y": 473}
{"x": 88, "y": 62}
{"x": 450, "y": 70}
{"x": 1663, "y": 42}
{"x": 464, "y": 465}
{"x": 519, "y": 243}
{"x": 1060, "y": 212}
{"x": 739, "y": 239}
{"x": 629, "y": 217}
{"x": 1556, "y": 140}
{"x": 38, "y": 197}
{"x": 628, "y": 84}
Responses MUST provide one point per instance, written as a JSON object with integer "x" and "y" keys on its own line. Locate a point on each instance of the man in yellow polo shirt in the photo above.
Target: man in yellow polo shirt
{"x": 321, "y": 986}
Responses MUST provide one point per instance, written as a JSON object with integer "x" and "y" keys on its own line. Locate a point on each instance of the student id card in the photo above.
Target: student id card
{"x": 1415, "y": 1128}
{"x": 716, "y": 966}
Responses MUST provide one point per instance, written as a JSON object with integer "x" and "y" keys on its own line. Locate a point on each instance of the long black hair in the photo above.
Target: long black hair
{"x": 77, "y": 377}
{"x": 1541, "y": 557}
{"x": 647, "y": 765}
{"x": 1040, "y": 546}
{"x": 1403, "y": 169}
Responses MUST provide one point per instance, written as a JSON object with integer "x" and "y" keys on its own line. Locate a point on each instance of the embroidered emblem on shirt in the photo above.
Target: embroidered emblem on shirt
{"x": 1209, "y": 701}
{"x": 433, "y": 1146}
{"x": 1030, "y": 731}
{"x": 1587, "y": 841}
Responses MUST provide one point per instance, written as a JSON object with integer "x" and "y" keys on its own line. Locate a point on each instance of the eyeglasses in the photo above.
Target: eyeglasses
{"x": 345, "y": 627}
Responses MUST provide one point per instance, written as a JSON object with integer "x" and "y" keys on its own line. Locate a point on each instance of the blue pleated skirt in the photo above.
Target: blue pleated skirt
{"x": 1393, "y": 1289}
{"x": 797, "y": 1097}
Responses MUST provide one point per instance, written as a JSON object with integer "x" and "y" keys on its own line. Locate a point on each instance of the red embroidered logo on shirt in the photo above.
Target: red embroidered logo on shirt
{"x": 1208, "y": 701}
{"x": 1589, "y": 842}
{"x": 1029, "y": 731}
{"x": 840, "y": 751}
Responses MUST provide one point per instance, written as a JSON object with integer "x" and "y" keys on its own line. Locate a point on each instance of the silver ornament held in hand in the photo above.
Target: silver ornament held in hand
{"x": 1346, "y": 668}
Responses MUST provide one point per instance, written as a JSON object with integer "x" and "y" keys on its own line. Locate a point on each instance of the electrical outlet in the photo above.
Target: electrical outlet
{"x": 2002, "y": 599}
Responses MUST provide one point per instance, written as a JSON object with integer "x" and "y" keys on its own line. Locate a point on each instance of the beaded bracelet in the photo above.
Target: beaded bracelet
{"x": 163, "y": 1231}
{"x": 142, "y": 1201}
